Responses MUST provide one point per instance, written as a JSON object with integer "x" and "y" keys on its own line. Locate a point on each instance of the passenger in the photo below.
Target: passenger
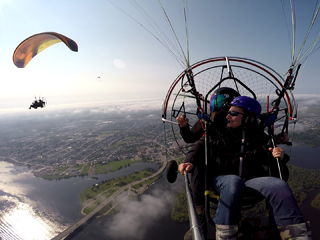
{"x": 34, "y": 104}
{"x": 240, "y": 155}
{"x": 218, "y": 104}
{"x": 218, "y": 111}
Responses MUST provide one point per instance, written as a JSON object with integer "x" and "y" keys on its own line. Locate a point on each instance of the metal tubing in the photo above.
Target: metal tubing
{"x": 228, "y": 66}
{"x": 193, "y": 216}
{"x": 278, "y": 160}
{"x": 168, "y": 121}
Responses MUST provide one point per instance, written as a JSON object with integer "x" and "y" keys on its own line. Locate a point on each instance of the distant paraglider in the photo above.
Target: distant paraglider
{"x": 32, "y": 46}
{"x": 35, "y": 44}
{"x": 41, "y": 103}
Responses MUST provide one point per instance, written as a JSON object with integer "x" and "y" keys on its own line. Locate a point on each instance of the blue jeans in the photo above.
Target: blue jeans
{"x": 284, "y": 208}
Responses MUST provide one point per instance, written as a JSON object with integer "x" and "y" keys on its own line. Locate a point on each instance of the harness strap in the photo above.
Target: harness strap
{"x": 241, "y": 153}
{"x": 211, "y": 194}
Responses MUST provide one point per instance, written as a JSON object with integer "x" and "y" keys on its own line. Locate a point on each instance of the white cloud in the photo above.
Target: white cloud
{"x": 120, "y": 108}
{"x": 129, "y": 221}
{"x": 306, "y": 104}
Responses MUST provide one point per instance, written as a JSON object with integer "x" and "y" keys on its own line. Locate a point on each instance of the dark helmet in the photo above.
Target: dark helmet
{"x": 221, "y": 97}
{"x": 248, "y": 104}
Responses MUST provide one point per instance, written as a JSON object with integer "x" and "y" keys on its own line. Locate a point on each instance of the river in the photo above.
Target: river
{"x": 149, "y": 217}
{"x": 162, "y": 226}
{"x": 34, "y": 208}
{"x": 308, "y": 157}
{"x": 125, "y": 225}
{"x": 304, "y": 156}
{"x": 311, "y": 214}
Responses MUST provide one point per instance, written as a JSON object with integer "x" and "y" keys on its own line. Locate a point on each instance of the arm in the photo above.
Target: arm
{"x": 193, "y": 157}
{"x": 193, "y": 134}
{"x": 284, "y": 158}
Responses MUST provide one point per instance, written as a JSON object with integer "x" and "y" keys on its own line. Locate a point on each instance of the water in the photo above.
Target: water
{"x": 305, "y": 156}
{"x": 311, "y": 214}
{"x": 163, "y": 227}
{"x": 151, "y": 221}
{"x": 34, "y": 208}
{"x": 308, "y": 157}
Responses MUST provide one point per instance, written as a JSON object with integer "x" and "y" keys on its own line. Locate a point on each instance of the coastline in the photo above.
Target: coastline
{"x": 139, "y": 191}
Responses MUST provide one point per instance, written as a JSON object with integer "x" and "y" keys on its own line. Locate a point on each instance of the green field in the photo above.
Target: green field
{"x": 99, "y": 168}
{"x": 85, "y": 170}
{"x": 113, "y": 166}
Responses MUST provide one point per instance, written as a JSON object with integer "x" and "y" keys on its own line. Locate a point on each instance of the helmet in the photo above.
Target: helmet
{"x": 221, "y": 96}
{"x": 248, "y": 104}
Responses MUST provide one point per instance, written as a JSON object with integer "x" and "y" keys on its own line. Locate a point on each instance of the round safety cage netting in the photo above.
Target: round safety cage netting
{"x": 248, "y": 77}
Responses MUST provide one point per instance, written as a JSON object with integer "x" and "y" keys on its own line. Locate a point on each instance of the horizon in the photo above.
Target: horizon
{"x": 123, "y": 54}
{"x": 303, "y": 100}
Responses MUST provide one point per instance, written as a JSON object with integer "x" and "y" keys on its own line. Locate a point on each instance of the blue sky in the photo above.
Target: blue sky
{"x": 117, "y": 46}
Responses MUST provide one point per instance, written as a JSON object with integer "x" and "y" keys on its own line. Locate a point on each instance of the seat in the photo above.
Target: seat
{"x": 249, "y": 227}
{"x": 249, "y": 200}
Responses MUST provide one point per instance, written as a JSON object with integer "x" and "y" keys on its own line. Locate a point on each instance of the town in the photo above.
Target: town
{"x": 69, "y": 145}
{"x": 72, "y": 146}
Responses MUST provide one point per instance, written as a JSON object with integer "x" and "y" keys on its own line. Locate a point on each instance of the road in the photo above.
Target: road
{"x": 76, "y": 225}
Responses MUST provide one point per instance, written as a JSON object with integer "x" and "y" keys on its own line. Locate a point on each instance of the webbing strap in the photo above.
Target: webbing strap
{"x": 211, "y": 194}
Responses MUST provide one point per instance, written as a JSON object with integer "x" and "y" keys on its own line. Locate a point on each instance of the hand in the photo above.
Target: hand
{"x": 277, "y": 152}
{"x": 182, "y": 121}
{"x": 184, "y": 168}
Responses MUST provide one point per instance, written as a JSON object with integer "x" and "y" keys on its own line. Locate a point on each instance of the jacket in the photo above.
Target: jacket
{"x": 228, "y": 154}
{"x": 191, "y": 135}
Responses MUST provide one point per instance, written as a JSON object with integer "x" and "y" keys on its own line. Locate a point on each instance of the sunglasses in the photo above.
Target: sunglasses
{"x": 234, "y": 114}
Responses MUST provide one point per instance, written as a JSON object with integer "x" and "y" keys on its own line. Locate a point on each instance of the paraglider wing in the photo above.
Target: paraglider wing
{"x": 35, "y": 44}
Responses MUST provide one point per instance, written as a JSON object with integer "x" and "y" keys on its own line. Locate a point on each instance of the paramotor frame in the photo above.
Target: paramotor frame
{"x": 248, "y": 77}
